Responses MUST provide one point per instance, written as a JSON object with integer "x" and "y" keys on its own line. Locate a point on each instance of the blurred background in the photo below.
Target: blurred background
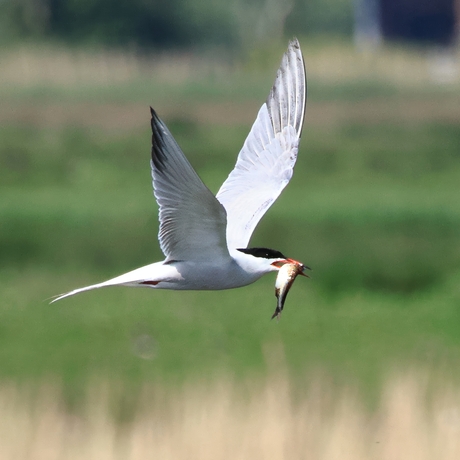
{"x": 364, "y": 362}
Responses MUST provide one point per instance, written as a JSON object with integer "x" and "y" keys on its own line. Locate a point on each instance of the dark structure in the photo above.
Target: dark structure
{"x": 419, "y": 21}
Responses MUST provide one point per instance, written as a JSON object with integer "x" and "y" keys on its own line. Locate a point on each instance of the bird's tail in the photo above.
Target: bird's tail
{"x": 148, "y": 276}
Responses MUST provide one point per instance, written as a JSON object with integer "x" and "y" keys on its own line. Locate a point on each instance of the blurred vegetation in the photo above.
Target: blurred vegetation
{"x": 176, "y": 23}
{"x": 373, "y": 208}
{"x": 416, "y": 417}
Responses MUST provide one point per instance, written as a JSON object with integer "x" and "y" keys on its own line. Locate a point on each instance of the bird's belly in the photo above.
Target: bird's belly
{"x": 210, "y": 277}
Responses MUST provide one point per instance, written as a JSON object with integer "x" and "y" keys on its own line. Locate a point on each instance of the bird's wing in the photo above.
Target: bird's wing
{"x": 192, "y": 221}
{"x": 266, "y": 161}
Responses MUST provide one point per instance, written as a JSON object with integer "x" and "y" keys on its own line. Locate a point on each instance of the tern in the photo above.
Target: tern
{"x": 204, "y": 237}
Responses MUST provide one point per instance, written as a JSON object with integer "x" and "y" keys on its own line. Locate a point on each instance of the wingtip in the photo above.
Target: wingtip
{"x": 287, "y": 99}
{"x": 294, "y": 43}
{"x": 158, "y": 141}
{"x": 154, "y": 120}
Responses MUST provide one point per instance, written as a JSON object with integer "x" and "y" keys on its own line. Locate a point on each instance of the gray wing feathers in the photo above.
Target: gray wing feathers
{"x": 192, "y": 221}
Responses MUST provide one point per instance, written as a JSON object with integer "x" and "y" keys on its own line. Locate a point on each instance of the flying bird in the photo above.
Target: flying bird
{"x": 204, "y": 237}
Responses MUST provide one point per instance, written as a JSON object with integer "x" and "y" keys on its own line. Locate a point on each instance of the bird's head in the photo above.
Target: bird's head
{"x": 273, "y": 260}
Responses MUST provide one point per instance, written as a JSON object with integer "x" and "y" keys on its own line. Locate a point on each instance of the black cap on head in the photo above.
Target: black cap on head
{"x": 266, "y": 253}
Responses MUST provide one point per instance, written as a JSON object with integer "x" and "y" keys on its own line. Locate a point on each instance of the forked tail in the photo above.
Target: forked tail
{"x": 148, "y": 276}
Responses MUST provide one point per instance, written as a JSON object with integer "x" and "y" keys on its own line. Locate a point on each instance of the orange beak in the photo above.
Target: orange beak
{"x": 302, "y": 267}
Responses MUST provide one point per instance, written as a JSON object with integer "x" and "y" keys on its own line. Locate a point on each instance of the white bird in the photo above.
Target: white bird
{"x": 204, "y": 237}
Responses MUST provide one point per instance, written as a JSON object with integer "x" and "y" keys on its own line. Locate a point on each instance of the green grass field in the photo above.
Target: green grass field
{"x": 373, "y": 208}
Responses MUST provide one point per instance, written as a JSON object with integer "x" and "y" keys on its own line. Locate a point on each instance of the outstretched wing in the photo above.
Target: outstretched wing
{"x": 266, "y": 161}
{"x": 192, "y": 221}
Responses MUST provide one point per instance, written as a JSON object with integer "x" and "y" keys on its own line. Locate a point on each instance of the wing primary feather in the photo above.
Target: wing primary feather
{"x": 192, "y": 221}
{"x": 266, "y": 161}
{"x": 158, "y": 142}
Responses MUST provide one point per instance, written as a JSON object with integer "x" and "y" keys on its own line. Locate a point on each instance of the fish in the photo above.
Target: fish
{"x": 285, "y": 279}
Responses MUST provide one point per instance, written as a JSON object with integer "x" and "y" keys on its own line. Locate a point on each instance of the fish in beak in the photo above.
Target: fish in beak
{"x": 285, "y": 279}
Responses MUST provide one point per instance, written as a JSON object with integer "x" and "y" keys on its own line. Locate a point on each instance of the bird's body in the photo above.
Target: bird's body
{"x": 205, "y": 237}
